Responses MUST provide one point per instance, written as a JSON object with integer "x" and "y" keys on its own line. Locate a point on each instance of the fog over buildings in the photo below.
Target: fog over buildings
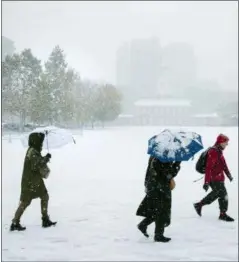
{"x": 148, "y": 50}
{"x": 91, "y": 32}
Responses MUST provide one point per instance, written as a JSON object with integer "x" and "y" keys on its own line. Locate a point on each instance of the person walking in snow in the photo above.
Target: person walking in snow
{"x": 216, "y": 166}
{"x": 32, "y": 184}
{"x": 156, "y": 205}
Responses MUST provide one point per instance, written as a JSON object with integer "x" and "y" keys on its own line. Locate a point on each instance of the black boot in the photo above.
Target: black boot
{"x": 17, "y": 226}
{"x": 143, "y": 229}
{"x": 46, "y": 222}
{"x": 159, "y": 231}
{"x": 198, "y": 208}
{"x": 161, "y": 238}
{"x": 225, "y": 217}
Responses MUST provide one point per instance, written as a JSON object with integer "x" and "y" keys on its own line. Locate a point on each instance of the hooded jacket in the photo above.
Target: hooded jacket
{"x": 35, "y": 141}
{"x": 32, "y": 185}
{"x": 216, "y": 164}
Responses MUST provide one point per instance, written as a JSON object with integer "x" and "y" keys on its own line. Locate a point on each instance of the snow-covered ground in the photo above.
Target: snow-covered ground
{"x": 95, "y": 188}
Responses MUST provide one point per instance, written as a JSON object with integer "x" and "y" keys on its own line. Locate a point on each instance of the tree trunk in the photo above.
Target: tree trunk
{"x": 22, "y": 120}
{"x": 50, "y": 121}
{"x": 81, "y": 128}
{"x": 92, "y": 124}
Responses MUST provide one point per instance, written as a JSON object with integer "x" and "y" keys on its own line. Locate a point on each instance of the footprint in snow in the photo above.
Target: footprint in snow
{"x": 80, "y": 220}
{"x": 122, "y": 239}
{"x": 57, "y": 240}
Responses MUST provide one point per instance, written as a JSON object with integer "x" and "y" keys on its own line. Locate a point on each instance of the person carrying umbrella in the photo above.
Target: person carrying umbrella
{"x": 216, "y": 166}
{"x": 32, "y": 184}
{"x": 156, "y": 205}
{"x": 166, "y": 151}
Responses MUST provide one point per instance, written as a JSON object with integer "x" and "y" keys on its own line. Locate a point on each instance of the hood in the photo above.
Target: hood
{"x": 221, "y": 139}
{"x": 35, "y": 140}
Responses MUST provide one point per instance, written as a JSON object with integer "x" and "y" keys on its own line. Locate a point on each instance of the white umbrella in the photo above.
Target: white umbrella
{"x": 54, "y": 137}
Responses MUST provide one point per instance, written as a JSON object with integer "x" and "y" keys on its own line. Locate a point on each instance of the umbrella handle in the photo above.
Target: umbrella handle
{"x": 198, "y": 179}
{"x": 47, "y": 146}
{"x": 47, "y": 142}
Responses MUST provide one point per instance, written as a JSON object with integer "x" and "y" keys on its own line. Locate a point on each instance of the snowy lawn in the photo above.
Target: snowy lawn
{"x": 95, "y": 187}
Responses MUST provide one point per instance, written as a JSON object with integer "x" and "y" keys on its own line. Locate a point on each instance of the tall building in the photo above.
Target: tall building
{"x": 8, "y": 47}
{"x": 180, "y": 72}
{"x": 138, "y": 70}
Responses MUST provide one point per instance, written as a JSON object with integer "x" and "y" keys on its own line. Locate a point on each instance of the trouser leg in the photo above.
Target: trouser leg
{"x": 44, "y": 205}
{"x": 212, "y": 196}
{"x": 159, "y": 227}
{"x": 142, "y": 226}
{"x": 20, "y": 210}
{"x": 223, "y": 198}
{"x": 147, "y": 221}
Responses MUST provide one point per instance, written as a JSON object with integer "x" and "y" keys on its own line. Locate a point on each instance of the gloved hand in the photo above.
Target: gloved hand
{"x": 48, "y": 157}
{"x": 229, "y": 175}
{"x": 206, "y": 187}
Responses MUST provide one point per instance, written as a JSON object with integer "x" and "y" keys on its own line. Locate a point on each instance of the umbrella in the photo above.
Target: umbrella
{"x": 171, "y": 146}
{"x": 54, "y": 137}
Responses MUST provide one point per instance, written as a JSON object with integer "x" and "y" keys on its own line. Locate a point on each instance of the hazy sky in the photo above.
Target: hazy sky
{"x": 90, "y": 32}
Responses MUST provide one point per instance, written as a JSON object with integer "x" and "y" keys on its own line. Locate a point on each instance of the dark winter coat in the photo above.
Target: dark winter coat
{"x": 32, "y": 185}
{"x": 157, "y": 202}
{"x": 216, "y": 166}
